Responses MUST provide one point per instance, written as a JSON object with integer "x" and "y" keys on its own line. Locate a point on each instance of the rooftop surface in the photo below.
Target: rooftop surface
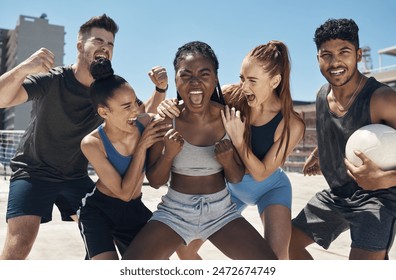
{"x": 59, "y": 240}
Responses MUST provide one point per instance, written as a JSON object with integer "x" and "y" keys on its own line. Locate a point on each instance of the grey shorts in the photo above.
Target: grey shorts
{"x": 370, "y": 216}
{"x": 196, "y": 216}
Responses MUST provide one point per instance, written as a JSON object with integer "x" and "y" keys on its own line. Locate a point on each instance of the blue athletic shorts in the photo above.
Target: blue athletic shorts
{"x": 105, "y": 220}
{"x": 370, "y": 216}
{"x": 276, "y": 189}
{"x": 196, "y": 216}
{"x": 37, "y": 197}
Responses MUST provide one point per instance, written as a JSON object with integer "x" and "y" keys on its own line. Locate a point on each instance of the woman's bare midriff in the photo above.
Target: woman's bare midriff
{"x": 197, "y": 185}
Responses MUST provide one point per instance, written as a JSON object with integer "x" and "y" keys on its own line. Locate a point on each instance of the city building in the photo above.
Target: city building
{"x": 16, "y": 45}
{"x": 384, "y": 73}
{"x": 32, "y": 33}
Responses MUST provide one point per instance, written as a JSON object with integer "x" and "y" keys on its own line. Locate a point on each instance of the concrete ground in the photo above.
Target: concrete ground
{"x": 61, "y": 240}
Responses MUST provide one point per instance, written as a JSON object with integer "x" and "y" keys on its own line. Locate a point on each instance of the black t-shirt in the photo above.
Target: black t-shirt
{"x": 62, "y": 114}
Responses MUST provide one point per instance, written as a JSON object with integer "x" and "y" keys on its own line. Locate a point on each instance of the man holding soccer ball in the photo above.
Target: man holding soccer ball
{"x": 361, "y": 199}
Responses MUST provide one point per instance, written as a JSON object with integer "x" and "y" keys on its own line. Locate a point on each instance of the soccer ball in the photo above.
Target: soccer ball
{"x": 377, "y": 142}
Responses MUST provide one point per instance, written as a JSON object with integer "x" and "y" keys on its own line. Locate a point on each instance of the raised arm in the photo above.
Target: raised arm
{"x": 11, "y": 90}
{"x": 159, "y": 77}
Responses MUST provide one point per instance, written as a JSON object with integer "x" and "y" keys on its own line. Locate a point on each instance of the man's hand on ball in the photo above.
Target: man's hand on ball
{"x": 368, "y": 175}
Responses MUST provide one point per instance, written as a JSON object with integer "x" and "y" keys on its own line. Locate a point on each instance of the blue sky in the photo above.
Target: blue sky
{"x": 152, "y": 30}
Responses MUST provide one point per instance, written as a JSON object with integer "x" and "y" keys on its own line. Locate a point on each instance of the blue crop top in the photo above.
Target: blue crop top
{"x": 262, "y": 137}
{"x": 120, "y": 162}
{"x": 196, "y": 160}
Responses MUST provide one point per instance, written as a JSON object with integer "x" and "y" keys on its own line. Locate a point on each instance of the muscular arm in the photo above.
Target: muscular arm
{"x": 368, "y": 175}
{"x": 159, "y": 77}
{"x": 11, "y": 90}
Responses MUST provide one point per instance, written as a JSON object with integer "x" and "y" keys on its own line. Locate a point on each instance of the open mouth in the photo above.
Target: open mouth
{"x": 250, "y": 97}
{"x": 101, "y": 55}
{"x": 131, "y": 122}
{"x": 195, "y": 97}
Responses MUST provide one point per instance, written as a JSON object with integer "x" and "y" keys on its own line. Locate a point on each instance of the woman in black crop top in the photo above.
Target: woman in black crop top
{"x": 197, "y": 205}
{"x": 264, "y": 129}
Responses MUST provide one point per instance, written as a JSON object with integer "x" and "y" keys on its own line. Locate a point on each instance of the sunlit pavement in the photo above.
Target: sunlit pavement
{"x": 59, "y": 240}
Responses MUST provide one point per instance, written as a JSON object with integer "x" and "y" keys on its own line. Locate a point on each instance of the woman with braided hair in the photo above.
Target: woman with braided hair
{"x": 264, "y": 129}
{"x": 198, "y": 157}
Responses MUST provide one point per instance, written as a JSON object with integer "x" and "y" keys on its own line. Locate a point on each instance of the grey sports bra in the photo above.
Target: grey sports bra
{"x": 196, "y": 160}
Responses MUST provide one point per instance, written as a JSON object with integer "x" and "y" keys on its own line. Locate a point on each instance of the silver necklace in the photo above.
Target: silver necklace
{"x": 338, "y": 104}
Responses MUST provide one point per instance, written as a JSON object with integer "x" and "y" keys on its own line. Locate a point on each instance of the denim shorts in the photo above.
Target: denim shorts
{"x": 276, "y": 189}
{"x": 370, "y": 216}
{"x": 37, "y": 197}
{"x": 196, "y": 216}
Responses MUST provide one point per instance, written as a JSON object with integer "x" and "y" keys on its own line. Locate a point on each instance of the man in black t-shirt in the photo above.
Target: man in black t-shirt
{"x": 49, "y": 167}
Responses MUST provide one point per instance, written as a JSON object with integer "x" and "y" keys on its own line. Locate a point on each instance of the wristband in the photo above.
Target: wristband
{"x": 161, "y": 90}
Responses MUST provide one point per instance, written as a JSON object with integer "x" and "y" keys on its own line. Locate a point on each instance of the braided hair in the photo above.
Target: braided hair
{"x": 197, "y": 47}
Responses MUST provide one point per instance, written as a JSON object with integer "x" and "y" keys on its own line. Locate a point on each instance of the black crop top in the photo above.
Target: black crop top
{"x": 262, "y": 137}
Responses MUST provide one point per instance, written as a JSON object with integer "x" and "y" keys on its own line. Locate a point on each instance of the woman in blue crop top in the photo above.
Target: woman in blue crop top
{"x": 264, "y": 129}
{"x": 113, "y": 212}
{"x": 197, "y": 158}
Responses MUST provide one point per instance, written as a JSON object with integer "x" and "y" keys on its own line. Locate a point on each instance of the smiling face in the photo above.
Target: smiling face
{"x": 196, "y": 80}
{"x": 257, "y": 85}
{"x": 122, "y": 109}
{"x": 338, "y": 61}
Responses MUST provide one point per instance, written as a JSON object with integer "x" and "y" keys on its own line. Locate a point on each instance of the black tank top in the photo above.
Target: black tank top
{"x": 262, "y": 137}
{"x": 333, "y": 132}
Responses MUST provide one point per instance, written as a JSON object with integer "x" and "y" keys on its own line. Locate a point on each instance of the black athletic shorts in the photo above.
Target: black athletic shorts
{"x": 37, "y": 197}
{"x": 105, "y": 220}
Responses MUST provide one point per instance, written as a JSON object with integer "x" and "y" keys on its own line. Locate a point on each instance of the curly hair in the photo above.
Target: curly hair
{"x": 344, "y": 29}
